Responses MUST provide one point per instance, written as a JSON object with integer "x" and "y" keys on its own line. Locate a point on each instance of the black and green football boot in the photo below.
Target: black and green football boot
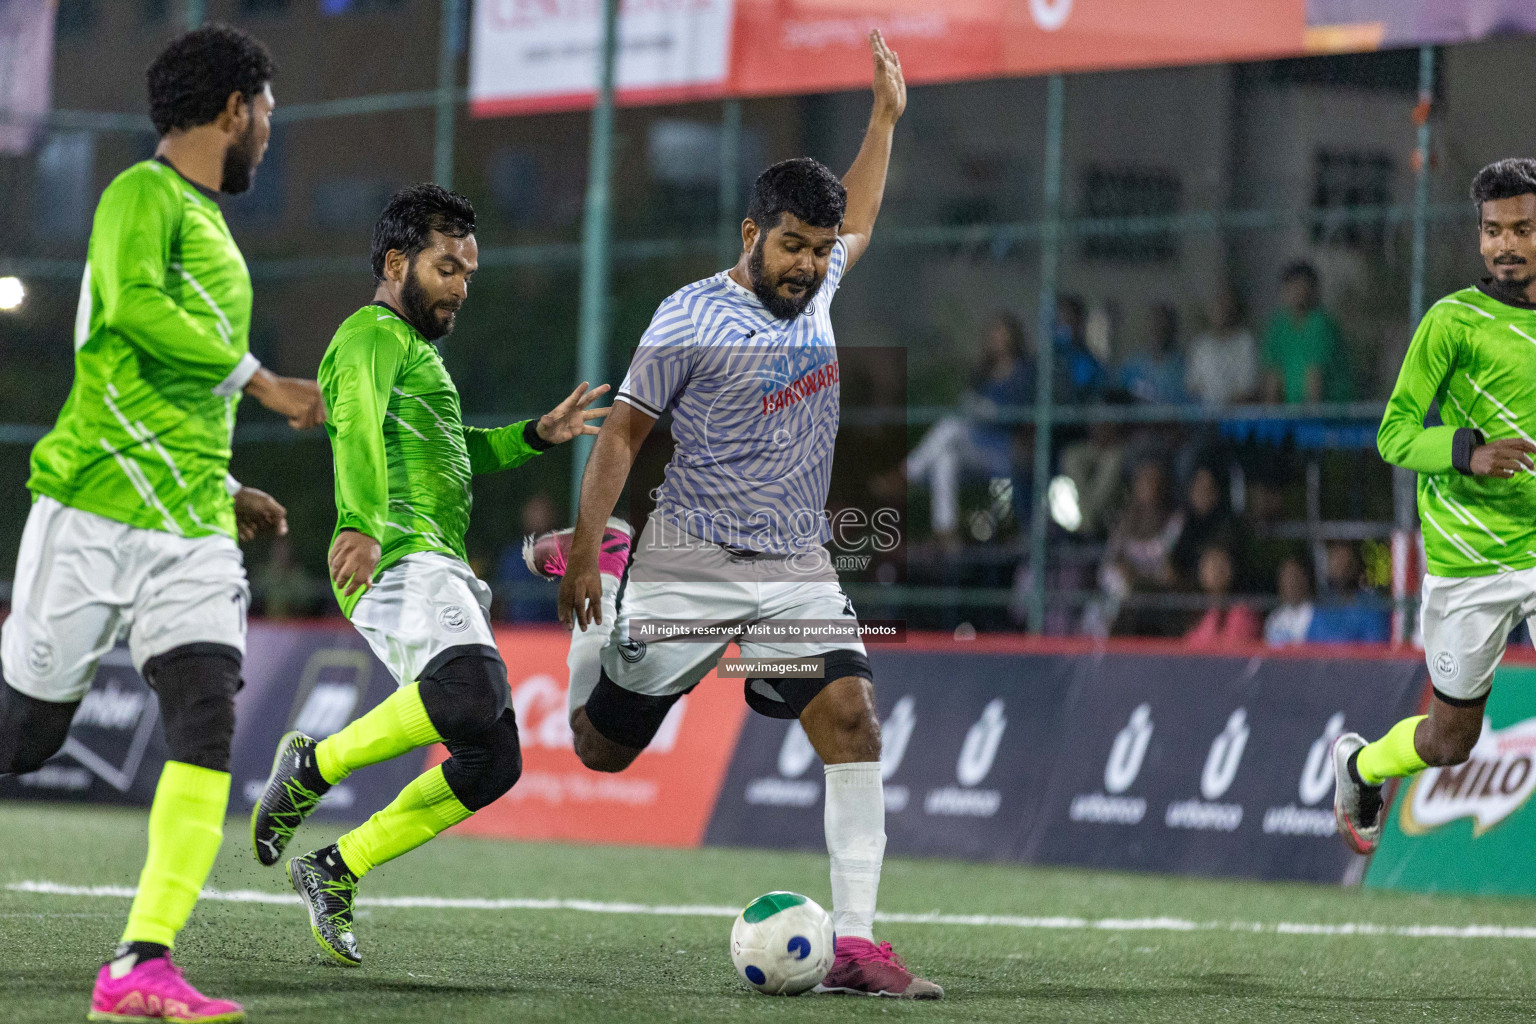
{"x": 328, "y": 890}
{"x": 292, "y": 792}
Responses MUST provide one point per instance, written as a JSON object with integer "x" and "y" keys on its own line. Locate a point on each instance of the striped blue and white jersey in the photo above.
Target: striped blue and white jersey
{"x": 754, "y": 403}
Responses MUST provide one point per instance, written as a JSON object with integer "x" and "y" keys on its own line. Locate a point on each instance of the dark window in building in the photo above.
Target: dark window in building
{"x": 1117, "y": 192}
{"x": 248, "y": 7}
{"x": 1342, "y": 179}
{"x": 75, "y": 18}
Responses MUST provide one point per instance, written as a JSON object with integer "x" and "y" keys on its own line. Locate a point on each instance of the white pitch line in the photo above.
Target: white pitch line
{"x": 1105, "y": 924}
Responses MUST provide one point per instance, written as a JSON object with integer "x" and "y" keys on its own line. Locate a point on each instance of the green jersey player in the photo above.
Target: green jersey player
{"x": 1475, "y": 355}
{"x": 134, "y": 517}
{"x": 404, "y": 465}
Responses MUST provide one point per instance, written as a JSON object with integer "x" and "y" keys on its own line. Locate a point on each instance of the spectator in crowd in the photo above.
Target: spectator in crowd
{"x": 1223, "y": 365}
{"x": 1079, "y": 375}
{"x": 1226, "y": 623}
{"x": 1304, "y": 356}
{"x": 1157, "y": 374}
{"x": 1208, "y": 520}
{"x": 1347, "y": 614}
{"x": 1139, "y": 558}
{"x": 1289, "y": 623}
{"x": 525, "y": 596}
{"x": 1096, "y": 467}
{"x": 970, "y": 444}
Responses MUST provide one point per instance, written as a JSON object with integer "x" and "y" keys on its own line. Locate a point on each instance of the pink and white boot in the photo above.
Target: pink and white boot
{"x": 548, "y": 553}
{"x": 154, "y": 989}
{"x": 865, "y": 969}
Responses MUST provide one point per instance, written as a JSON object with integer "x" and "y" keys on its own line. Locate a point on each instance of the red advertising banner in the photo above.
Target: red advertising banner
{"x": 664, "y": 799}
{"x": 537, "y": 55}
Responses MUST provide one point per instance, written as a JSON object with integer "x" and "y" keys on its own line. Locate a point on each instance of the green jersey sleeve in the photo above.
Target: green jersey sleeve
{"x": 133, "y": 254}
{"x": 1403, "y": 439}
{"x": 491, "y": 451}
{"x": 356, "y": 379}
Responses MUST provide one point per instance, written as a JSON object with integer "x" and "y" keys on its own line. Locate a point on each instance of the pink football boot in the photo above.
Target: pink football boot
{"x": 865, "y": 969}
{"x": 547, "y": 553}
{"x": 155, "y": 990}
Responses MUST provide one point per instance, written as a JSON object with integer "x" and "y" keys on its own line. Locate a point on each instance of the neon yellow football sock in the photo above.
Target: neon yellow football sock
{"x": 186, "y": 826}
{"x": 398, "y": 725}
{"x": 422, "y": 810}
{"x": 1393, "y": 756}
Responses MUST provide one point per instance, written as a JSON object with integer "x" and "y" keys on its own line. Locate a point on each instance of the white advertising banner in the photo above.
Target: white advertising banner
{"x": 535, "y": 55}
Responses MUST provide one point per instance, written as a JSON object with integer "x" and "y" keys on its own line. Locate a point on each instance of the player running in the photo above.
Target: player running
{"x": 404, "y": 462}
{"x": 134, "y": 515}
{"x": 1475, "y": 355}
{"x": 746, "y": 363}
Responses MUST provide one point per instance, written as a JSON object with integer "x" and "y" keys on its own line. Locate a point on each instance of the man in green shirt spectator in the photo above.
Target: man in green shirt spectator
{"x": 1304, "y": 357}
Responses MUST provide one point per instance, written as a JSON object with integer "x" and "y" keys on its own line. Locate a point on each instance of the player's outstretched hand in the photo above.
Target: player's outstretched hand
{"x": 890, "y": 84}
{"x": 571, "y": 418}
{"x": 354, "y": 556}
{"x": 296, "y": 399}
{"x": 1503, "y": 458}
{"x": 581, "y": 597}
{"x": 257, "y": 512}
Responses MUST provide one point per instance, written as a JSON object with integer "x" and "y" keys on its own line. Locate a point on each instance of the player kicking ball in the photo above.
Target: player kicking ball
{"x": 1474, "y": 354}
{"x": 404, "y": 464}
{"x": 134, "y": 516}
{"x": 746, "y": 363}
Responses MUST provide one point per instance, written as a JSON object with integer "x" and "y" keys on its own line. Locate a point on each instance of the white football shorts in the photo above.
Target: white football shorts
{"x": 419, "y": 607}
{"x": 1465, "y": 621}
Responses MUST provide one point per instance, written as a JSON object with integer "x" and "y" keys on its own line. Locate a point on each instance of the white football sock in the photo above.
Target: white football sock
{"x": 584, "y": 661}
{"x": 855, "y": 826}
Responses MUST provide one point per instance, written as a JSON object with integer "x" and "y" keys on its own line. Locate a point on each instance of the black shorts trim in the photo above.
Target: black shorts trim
{"x": 1460, "y": 702}
{"x": 795, "y": 695}
{"x": 626, "y": 718}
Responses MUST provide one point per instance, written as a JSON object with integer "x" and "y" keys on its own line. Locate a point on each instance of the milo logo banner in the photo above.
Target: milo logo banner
{"x": 1149, "y": 761}
{"x": 1470, "y": 828}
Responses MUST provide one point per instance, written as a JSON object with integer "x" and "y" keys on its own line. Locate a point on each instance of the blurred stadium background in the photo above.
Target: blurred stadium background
{"x": 1092, "y": 207}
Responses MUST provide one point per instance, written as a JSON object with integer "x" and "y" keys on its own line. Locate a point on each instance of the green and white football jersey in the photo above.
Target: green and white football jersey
{"x": 1475, "y": 355}
{"x": 404, "y": 458}
{"x": 161, "y": 356}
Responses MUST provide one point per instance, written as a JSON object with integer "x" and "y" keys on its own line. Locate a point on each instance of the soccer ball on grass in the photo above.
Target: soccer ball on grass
{"x": 783, "y": 944}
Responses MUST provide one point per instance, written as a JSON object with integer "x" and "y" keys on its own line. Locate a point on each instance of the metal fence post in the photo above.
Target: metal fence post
{"x": 728, "y": 219}
{"x": 1404, "y": 504}
{"x": 1050, "y": 257}
{"x": 596, "y": 232}
{"x": 450, "y": 45}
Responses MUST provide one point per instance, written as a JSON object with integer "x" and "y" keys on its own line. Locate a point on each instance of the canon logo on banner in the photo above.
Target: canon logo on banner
{"x": 1050, "y": 15}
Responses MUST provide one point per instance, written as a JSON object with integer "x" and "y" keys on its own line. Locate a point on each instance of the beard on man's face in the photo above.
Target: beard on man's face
{"x": 433, "y": 319}
{"x": 240, "y": 161}
{"x": 767, "y": 291}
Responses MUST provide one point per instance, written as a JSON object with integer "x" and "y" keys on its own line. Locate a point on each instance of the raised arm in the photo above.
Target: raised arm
{"x": 865, "y": 180}
{"x": 491, "y": 451}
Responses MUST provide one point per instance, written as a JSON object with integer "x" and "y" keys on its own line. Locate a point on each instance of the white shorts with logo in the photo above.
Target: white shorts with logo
{"x": 1465, "y": 621}
{"x": 708, "y": 584}
{"x": 421, "y": 606}
{"x": 83, "y": 580}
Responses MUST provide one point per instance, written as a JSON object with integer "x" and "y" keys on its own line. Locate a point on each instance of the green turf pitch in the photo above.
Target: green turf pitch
{"x": 443, "y": 965}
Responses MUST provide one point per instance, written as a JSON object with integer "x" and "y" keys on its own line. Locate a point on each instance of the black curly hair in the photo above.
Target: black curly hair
{"x": 804, "y": 187}
{"x": 191, "y": 79}
{"x": 412, "y": 215}
{"x": 1504, "y": 179}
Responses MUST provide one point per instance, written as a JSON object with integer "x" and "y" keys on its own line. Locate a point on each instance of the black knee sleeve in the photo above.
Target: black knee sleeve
{"x": 483, "y": 768}
{"x": 31, "y": 730}
{"x": 464, "y": 690}
{"x": 196, "y": 684}
{"x": 795, "y": 695}
{"x": 628, "y": 719}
